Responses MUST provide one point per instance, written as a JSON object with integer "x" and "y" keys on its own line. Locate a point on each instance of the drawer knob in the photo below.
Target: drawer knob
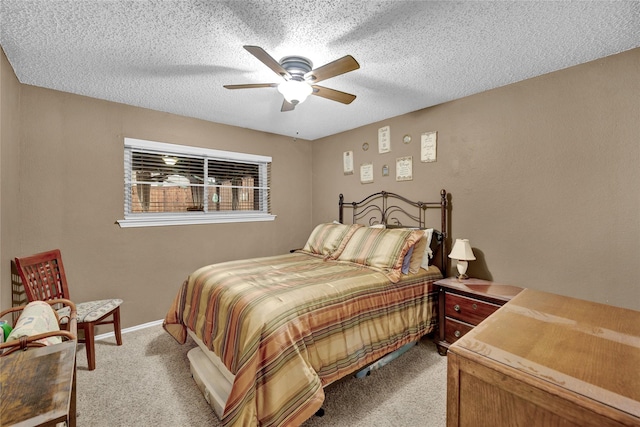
{"x": 475, "y": 306}
{"x": 457, "y": 334}
{"x": 456, "y": 308}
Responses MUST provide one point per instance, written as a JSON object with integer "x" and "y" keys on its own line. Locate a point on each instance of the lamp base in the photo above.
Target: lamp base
{"x": 462, "y": 269}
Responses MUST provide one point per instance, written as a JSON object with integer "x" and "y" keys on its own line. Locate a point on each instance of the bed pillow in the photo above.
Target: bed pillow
{"x": 380, "y": 249}
{"x": 329, "y": 239}
{"x": 406, "y": 261}
{"x": 418, "y": 252}
{"x": 422, "y": 253}
{"x": 428, "y": 253}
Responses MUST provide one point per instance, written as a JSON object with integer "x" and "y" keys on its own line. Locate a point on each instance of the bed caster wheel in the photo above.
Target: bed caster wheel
{"x": 320, "y": 412}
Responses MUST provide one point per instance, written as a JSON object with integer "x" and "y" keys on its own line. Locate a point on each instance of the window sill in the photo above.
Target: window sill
{"x": 191, "y": 219}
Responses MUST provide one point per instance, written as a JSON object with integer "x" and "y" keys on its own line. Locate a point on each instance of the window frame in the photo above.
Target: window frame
{"x": 154, "y": 219}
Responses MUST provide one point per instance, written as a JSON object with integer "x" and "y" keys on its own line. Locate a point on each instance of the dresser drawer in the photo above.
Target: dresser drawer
{"x": 454, "y": 329}
{"x": 467, "y": 309}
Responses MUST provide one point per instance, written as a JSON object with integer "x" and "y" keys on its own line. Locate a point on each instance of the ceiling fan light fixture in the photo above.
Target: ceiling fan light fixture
{"x": 295, "y": 91}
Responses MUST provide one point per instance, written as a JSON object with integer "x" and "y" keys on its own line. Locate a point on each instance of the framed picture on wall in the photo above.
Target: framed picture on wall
{"x": 366, "y": 173}
{"x": 347, "y": 162}
{"x": 428, "y": 144}
{"x": 384, "y": 139}
{"x": 404, "y": 168}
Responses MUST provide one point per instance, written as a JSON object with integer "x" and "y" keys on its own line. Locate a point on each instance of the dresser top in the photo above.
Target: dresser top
{"x": 481, "y": 288}
{"x": 587, "y": 348}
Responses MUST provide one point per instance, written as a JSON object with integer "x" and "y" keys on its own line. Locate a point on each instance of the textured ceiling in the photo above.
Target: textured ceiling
{"x": 174, "y": 56}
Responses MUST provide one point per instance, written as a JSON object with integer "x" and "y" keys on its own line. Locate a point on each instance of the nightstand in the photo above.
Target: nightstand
{"x": 464, "y": 303}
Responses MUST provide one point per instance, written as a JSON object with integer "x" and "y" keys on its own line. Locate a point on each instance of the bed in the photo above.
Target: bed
{"x": 272, "y": 332}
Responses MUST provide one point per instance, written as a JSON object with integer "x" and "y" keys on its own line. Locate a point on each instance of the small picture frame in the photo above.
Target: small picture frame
{"x": 385, "y": 170}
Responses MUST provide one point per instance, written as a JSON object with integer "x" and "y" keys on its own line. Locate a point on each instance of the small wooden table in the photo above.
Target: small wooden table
{"x": 464, "y": 303}
{"x": 38, "y": 386}
{"x": 547, "y": 360}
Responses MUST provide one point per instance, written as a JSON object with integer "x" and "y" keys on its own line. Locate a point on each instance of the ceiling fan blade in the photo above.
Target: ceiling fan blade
{"x": 267, "y": 60}
{"x": 250, "y": 85}
{"x": 287, "y": 106}
{"x": 332, "y": 94}
{"x": 339, "y": 66}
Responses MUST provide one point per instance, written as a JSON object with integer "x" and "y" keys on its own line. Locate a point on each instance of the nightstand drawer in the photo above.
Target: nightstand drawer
{"x": 454, "y": 329}
{"x": 468, "y": 310}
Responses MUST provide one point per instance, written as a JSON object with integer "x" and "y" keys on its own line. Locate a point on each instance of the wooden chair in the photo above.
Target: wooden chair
{"x": 44, "y": 279}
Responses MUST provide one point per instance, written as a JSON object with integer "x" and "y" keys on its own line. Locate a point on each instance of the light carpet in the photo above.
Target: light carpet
{"x": 147, "y": 382}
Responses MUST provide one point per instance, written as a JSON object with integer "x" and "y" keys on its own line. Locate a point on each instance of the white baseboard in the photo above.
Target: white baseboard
{"x": 131, "y": 329}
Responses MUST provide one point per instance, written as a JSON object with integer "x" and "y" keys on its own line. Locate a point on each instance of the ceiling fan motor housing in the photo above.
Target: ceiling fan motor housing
{"x": 297, "y": 66}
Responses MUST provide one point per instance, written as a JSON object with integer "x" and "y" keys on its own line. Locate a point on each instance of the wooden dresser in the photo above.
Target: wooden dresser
{"x": 547, "y": 360}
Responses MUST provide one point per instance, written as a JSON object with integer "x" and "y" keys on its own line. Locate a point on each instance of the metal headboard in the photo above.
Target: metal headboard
{"x": 394, "y": 210}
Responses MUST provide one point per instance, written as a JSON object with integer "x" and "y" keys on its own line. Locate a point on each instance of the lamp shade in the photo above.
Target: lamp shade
{"x": 295, "y": 91}
{"x": 462, "y": 250}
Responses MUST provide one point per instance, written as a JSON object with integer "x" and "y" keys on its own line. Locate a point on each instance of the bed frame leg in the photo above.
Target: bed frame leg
{"x": 320, "y": 412}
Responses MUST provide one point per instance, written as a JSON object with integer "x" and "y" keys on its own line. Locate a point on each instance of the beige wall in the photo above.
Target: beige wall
{"x": 9, "y": 188}
{"x": 71, "y": 193}
{"x": 544, "y": 177}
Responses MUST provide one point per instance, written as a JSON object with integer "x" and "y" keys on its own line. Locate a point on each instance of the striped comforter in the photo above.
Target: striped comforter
{"x": 288, "y": 325}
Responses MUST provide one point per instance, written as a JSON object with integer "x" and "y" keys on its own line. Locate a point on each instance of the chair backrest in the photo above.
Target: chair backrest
{"x": 43, "y": 276}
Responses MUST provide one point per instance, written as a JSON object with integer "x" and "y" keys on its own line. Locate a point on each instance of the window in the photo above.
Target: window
{"x": 167, "y": 184}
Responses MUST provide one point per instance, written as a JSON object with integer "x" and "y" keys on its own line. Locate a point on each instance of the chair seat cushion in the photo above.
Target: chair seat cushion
{"x": 90, "y": 311}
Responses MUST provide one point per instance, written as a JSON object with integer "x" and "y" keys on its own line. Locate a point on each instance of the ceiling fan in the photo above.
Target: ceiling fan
{"x": 300, "y": 78}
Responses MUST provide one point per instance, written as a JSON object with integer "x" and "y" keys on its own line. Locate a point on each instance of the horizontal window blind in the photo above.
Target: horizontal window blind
{"x": 180, "y": 182}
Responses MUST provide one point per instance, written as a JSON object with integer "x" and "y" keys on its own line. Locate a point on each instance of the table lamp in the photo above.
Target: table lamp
{"x": 463, "y": 254}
